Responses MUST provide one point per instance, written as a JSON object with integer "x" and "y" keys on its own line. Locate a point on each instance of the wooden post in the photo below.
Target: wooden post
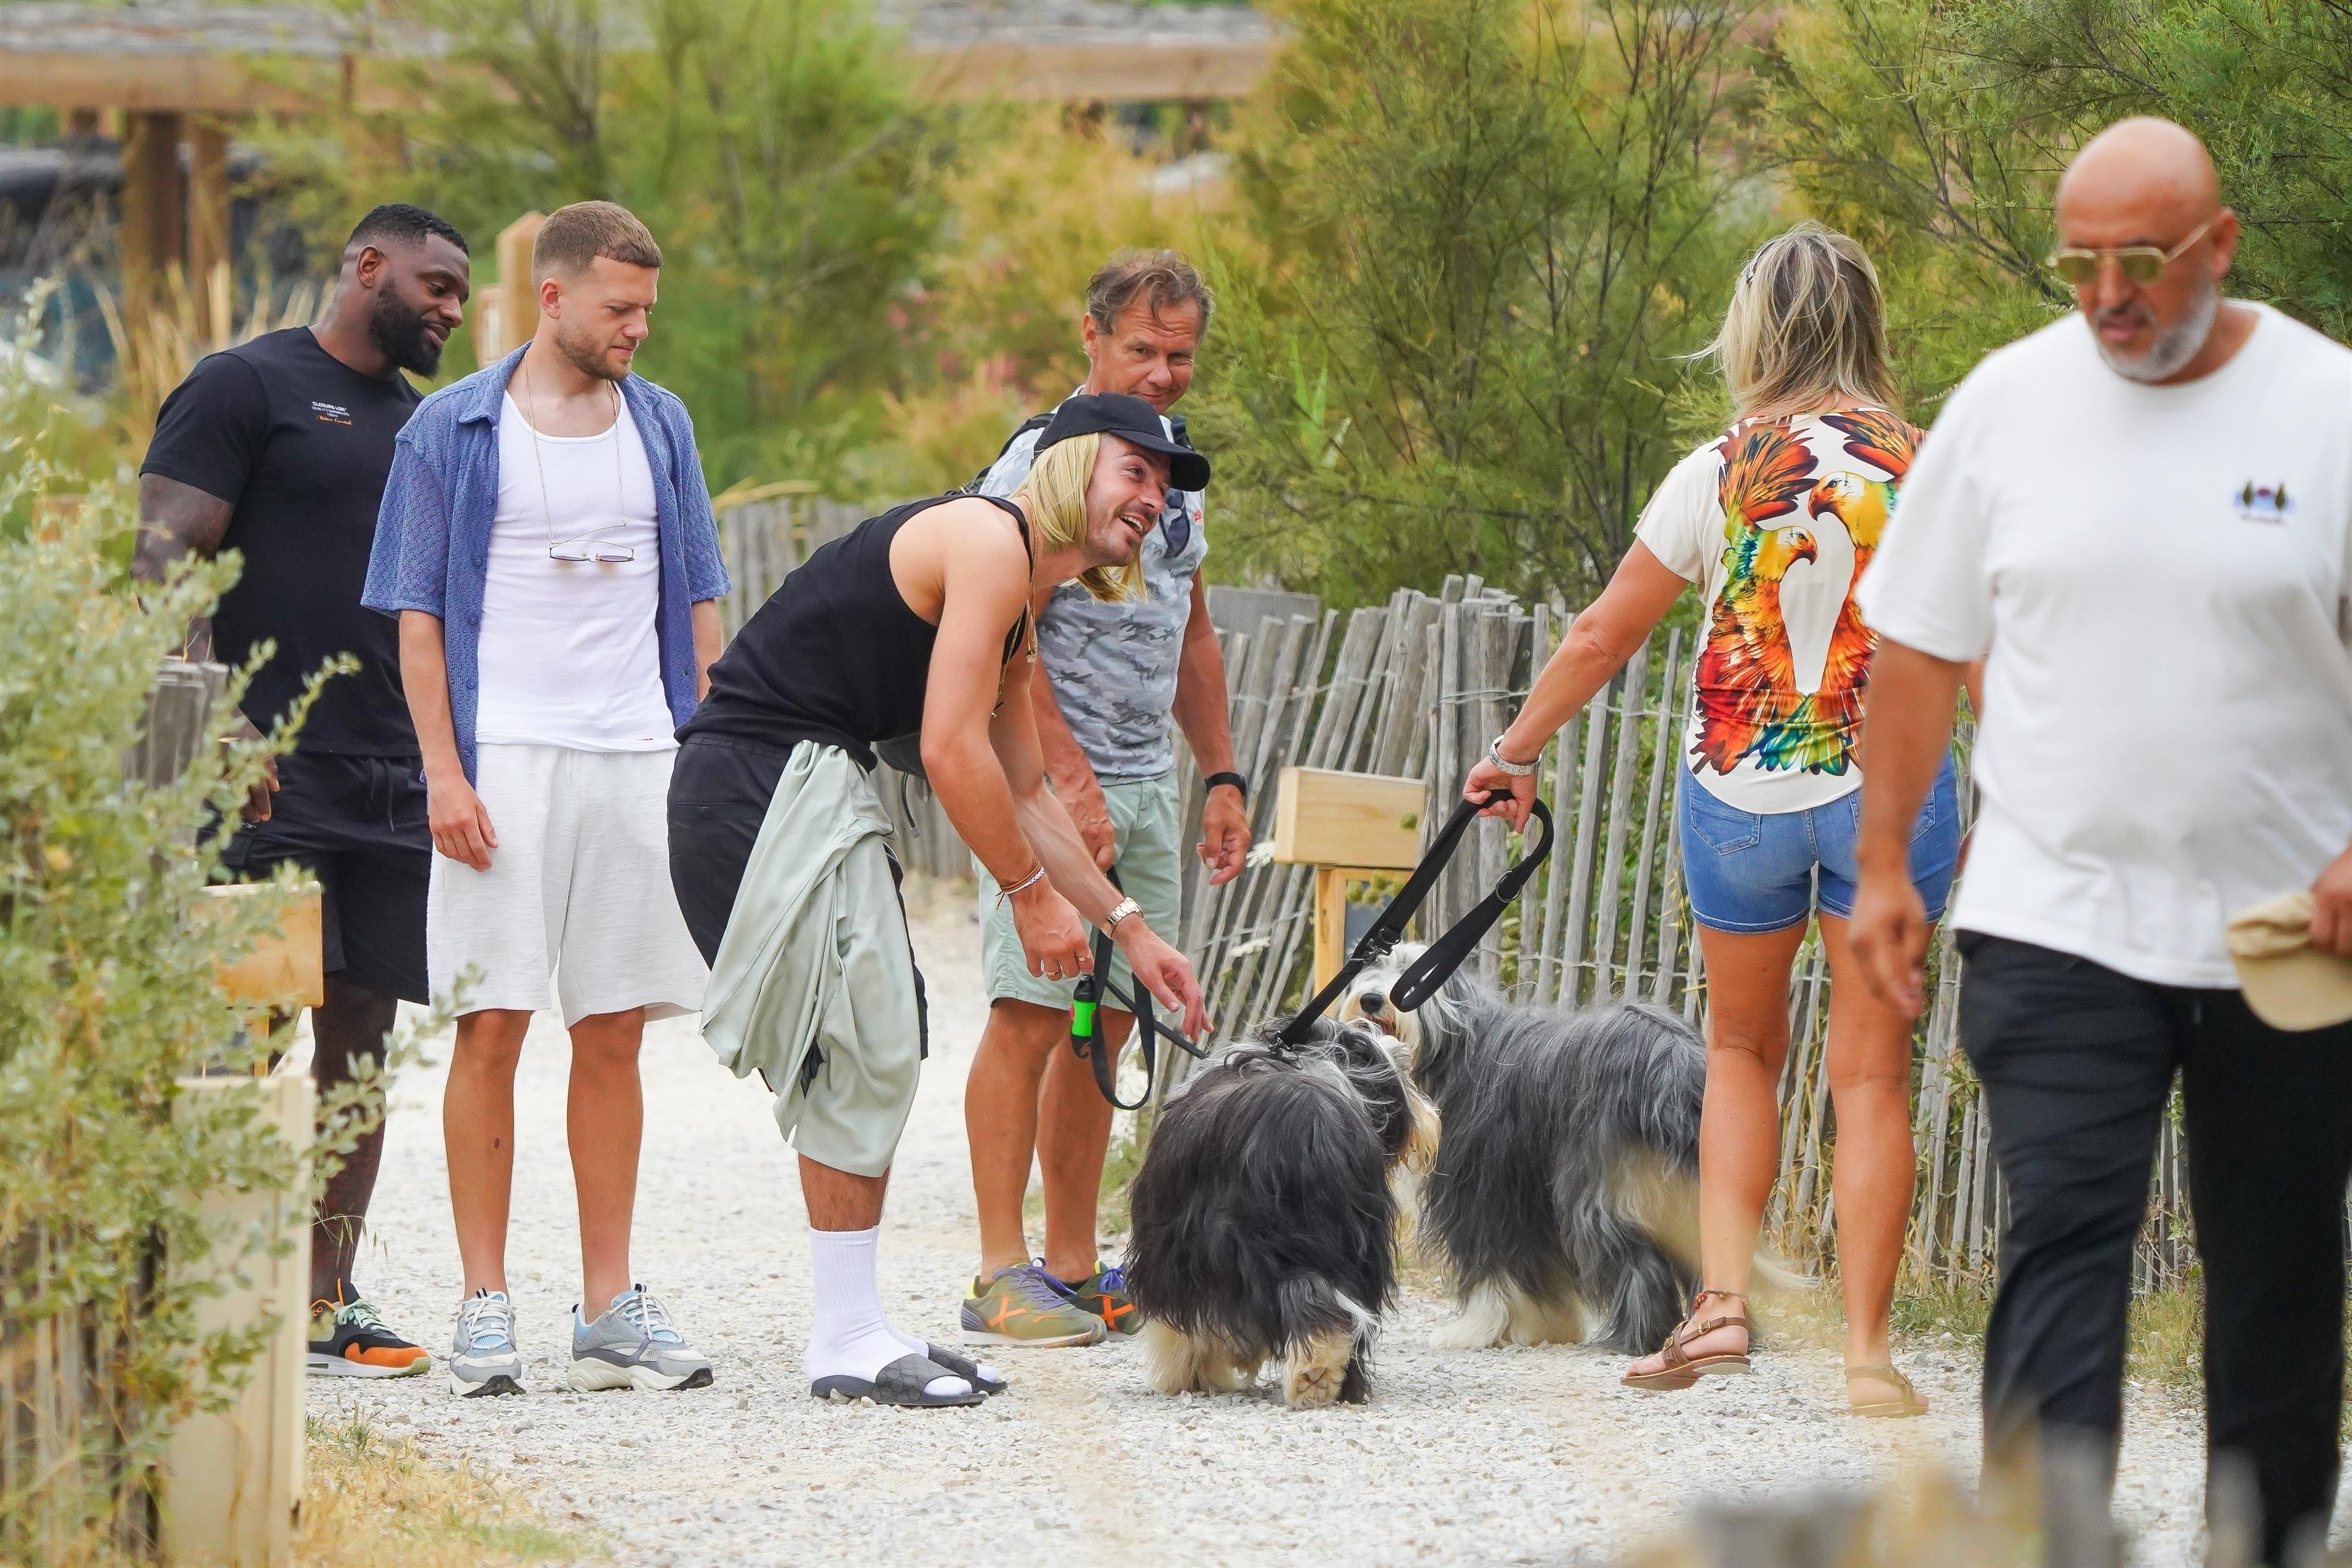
{"x": 233, "y": 1478}
{"x": 505, "y": 314}
{"x": 208, "y": 259}
{"x": 152, "y": 220}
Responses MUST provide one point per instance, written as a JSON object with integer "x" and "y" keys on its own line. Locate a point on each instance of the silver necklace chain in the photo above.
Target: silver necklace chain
{"x": 621, "y": 553}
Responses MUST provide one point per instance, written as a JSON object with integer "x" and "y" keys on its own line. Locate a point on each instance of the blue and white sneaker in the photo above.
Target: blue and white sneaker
{"x": 634, "y": 1346}
{"x": 484, "y": 1358}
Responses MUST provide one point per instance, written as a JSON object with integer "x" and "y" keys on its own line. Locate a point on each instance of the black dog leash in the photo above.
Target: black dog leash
{"x": 1085, "y": 1023}
{"x": 1433, "y": 968}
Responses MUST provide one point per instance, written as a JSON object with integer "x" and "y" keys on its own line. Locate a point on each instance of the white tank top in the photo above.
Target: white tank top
{"x": 570, "y": 651}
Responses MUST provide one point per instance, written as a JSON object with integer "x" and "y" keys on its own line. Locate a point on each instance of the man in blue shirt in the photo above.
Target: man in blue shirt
{"x": 547, "y": 543}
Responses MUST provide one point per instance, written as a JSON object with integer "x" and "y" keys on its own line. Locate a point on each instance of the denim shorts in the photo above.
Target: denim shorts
{"x": 1752, "y": 872}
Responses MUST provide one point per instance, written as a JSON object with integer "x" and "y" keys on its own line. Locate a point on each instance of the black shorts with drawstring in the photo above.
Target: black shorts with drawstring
{"x": 358, "y": 824}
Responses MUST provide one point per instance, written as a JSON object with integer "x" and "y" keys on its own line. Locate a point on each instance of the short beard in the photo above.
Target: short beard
{"x": 2175, "y": 345}
{"x": 587, "y": 355}
{"x": 400, "y": 333}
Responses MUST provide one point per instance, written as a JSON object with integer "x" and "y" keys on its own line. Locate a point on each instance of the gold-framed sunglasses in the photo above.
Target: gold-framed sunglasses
{"x": 2078, "y": 266}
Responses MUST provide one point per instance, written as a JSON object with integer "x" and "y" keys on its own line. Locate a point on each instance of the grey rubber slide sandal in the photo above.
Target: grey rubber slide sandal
{"x": 900, "y": 1383}
{"x": 967, "y": 1369}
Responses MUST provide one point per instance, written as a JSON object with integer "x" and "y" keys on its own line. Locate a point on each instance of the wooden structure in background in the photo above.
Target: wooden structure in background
{"x": 1348, "y": 827}
{"x": 506, "y": 312}
{"x": 181, "y": 73}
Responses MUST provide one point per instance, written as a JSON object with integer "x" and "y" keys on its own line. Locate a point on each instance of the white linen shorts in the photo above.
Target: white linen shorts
{"x": 578, "y": 886}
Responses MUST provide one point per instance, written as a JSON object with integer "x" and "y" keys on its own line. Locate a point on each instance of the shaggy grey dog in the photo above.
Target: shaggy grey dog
{"x": 1568, "y": 1142}
{"x": 1263, "y": 1227}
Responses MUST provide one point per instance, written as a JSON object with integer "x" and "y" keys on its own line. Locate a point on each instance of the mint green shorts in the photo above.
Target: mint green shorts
{"x": 1150, "y": 860}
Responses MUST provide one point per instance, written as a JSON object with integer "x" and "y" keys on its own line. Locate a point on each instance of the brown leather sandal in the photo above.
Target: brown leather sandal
{"x": 1911, "y": 1403}
{"x": 1682, "y": 1370}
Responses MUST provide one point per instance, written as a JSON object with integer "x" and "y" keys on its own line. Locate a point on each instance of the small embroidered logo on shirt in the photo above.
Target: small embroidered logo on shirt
{"x": 330, "y": 413}
{"x": 2263, "y": 503}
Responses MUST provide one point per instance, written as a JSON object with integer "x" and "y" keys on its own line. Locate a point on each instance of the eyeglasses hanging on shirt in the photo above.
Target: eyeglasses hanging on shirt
{"x": 582, "y": 547}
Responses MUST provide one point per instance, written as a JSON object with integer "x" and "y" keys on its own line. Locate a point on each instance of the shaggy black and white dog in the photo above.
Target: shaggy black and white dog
{"x": 1568, "y": 1145}
{"x": 1262, "y": 1226}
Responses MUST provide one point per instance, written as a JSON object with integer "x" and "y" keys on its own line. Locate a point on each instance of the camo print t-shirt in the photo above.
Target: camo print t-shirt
{"x": 1114, "y": 665}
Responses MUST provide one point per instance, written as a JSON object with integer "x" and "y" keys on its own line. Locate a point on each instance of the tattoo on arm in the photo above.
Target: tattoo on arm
{"x": 175, "y": 520}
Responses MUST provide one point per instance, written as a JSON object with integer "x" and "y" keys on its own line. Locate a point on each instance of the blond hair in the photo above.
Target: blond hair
{"x": 1806, "y": 329}
{"x": 1054, "y": 498}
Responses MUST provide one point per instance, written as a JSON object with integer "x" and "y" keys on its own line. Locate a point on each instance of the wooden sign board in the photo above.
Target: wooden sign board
{"x": 285, "y": 964}
{"x": 1322, "y": 817}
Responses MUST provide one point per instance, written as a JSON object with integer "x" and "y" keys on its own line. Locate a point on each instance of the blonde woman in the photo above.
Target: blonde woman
{"x": 1773, "y": 523}
{"x": 916, "y": 621}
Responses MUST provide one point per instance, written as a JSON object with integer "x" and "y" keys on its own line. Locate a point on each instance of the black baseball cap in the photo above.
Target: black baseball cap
{"x": 1132, "y": 420}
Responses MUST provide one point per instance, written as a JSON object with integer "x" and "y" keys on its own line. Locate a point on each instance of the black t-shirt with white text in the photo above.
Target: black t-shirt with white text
{"x": 298, "y": 444}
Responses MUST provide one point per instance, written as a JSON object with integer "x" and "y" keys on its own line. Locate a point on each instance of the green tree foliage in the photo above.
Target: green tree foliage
{"x": 1480, "y": 238}
{"x": 774, "y": 147}
{"x": 1937, "y": 133}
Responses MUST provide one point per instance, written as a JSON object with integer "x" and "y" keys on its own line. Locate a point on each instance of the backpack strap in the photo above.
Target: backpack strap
{"x": 1036, "y": 421}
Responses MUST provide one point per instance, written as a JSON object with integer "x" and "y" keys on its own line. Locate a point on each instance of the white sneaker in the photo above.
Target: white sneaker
{"x": 484, "y": 1358}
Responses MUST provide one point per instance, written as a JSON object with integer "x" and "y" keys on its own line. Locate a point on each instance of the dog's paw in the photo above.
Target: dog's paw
{"x": 1314, "y": 1374}
{"x": 1471, "y": 1331}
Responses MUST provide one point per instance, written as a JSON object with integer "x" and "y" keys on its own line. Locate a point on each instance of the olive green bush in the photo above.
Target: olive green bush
{"x": 108, "y": 1000}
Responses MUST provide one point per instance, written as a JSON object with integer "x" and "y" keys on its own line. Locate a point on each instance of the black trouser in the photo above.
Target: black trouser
{"x": 2077, "y": 1062}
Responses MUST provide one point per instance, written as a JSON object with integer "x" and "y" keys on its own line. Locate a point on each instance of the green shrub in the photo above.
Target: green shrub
{"x": 108, "y": 1000}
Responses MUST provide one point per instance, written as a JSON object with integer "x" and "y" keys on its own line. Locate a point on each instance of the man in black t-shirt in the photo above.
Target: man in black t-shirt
{"x": 277, "y": 448}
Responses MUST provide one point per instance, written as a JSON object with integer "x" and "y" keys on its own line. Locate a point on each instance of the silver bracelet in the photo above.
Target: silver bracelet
{"x": 1027, "y": 883}
{"x": 1118, "y": 912}
{"x": 1515, "y": 769}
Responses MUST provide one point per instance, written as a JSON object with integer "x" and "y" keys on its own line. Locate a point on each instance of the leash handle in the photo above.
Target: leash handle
{"x": 1086, "y": 1023}
{"x": 1435, "y": 967}
{"x": 1389, "y": 929}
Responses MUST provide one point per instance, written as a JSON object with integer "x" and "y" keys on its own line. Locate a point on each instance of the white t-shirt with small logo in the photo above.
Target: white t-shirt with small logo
{"x": 2158, "y": 577}
{"x": 570, "y": 650}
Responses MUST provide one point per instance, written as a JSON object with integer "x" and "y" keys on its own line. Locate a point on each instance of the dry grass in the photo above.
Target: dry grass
{"x": 376, "y": 1501}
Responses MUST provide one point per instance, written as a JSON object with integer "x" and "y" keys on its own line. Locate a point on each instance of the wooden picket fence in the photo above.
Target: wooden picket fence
{"x": 1415, "y": 688}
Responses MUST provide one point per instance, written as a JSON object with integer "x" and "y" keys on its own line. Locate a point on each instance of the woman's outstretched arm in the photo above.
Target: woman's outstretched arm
{"x": 1598, "y": 643}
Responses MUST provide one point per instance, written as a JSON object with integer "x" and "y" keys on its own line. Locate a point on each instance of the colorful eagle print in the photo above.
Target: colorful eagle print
{"x": 1750, "y": 705}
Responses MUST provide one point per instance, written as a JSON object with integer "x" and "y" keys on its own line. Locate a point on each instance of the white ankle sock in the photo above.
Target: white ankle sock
{"x": 850, "y": 1337}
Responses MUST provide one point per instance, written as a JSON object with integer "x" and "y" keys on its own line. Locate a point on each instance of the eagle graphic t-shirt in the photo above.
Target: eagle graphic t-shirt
{"x": 1775, "y": 523}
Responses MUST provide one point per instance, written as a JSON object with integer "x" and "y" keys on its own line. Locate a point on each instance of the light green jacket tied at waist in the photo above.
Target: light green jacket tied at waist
{"x": 816, "y": 958}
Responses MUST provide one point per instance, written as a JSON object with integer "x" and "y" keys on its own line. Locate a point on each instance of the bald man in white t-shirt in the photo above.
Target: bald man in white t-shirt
{"x": 2140, "y": 517}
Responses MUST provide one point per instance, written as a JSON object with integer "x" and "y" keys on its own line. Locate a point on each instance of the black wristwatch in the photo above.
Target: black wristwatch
{"x": 1240, "y": 784}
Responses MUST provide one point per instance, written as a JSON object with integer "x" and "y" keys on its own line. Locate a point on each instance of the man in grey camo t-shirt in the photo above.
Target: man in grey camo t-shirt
{"x": 1108, "y": 680}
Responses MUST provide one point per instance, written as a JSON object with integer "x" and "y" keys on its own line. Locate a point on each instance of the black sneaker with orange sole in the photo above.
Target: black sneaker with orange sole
{"x": 349, "y": 1340}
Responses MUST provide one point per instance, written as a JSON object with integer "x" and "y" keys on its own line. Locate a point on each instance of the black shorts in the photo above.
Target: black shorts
{"x": 720, "y": 788}
{"x": 358, "y": 824}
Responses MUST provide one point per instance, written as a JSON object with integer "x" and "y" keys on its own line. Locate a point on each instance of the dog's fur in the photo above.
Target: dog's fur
{"x": 1568, "y": 1142}
{"x": 1263, "y": 1224}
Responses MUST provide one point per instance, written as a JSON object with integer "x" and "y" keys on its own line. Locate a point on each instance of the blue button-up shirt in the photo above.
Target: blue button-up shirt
{"x": 433, "y": 535}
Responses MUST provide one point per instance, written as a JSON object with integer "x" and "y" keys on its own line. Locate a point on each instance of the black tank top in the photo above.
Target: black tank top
{"x": 834, "y": 655}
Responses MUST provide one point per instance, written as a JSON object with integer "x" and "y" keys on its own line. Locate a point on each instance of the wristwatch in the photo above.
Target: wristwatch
{"x": 1515, "y": 769}
{"x": 1118, "y": 912}
{"x": 1240, "y": 784}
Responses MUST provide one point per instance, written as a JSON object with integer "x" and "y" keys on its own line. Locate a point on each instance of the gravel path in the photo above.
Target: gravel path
{"x": 1515, "y": 1456}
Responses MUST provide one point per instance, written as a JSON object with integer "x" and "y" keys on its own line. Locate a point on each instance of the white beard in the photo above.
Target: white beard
{"x": 2175, "y": 345}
